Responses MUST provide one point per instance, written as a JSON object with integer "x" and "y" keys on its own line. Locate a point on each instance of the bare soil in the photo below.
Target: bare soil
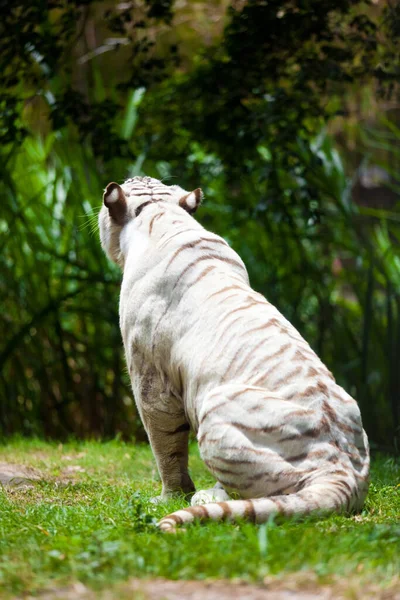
{"x": 18, "y": 475}
{"x": 293, "y": 587}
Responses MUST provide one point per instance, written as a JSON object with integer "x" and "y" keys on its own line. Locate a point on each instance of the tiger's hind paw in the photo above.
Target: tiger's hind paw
{"x": 215, "y": 494}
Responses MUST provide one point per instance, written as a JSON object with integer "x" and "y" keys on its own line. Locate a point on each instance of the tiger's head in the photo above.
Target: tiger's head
{"x": 124, "y": 203}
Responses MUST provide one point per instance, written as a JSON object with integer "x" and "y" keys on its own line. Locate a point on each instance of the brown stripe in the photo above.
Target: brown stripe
{"x": 233, "y": 485}
{"x": 239, "y": 351}
{"x": 286, "y": 379}
{"x": 312, "y": 372}
{"x": 142, "y": 206}
{"x": 272, "y": 322}
{"x": 201, "y": 439}
{"x": 341, "y": 397}
{"x": 255, "y": 369}
{"x": 277, "y": 353}
{"x": 233, "y": 461}
{"x": 297, "y": 457}
{"x": 225, "y": 289}
{"x": 249, "y": 511}
{"x": 249, "y": 305}
{"x": 362, "y": 477}
{"x": 310, "y": 391}
{"x": 182, "y": 249}
{"x": 228, "y": 298}
{"x": 304, "y": 354}
{"x": 213, "y": 409}
{"x": 323, "y": 388}
{"x": 198, "y": 512}
{"x": 313, "y": 432}
{"x": 347, "y": 487}
{"x": 227, "y": 510}
{"x": 347, "y": 429}
{"x": 279, "y": 505}
{"x": 280, "y": 351}
{"x": 215, "y": 241}
{"x": 152, "y": 221}
{"x": 257, "y": 477}
{"x": 175, "y": 234}
{"x": 227, "y": 471}
{"x": 338, "y": 500}
{"x": 261, "y": 429}
{"x": 240, "y": 308}
{"x": 255, "y": 408}
{"x": 206, "y": 257}
{"x": 240, "y": 392}
{"x": 203, "y": 274}
{"x": 240, "y": 299}
{"x": 282, "y": 492}
{"x": 273, "y": 479}
{"x": 241, "y": 449}
{"x": 230, "y": 261}
{"x": 341, "y": 472}
{"x": 174, "y": 517}
{"x": 356, "y": 421}
{"x": 261, "y": 327}
{"x": 330, "y": 411}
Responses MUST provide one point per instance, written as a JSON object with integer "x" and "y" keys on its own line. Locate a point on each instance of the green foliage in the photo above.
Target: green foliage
{"x": 266, "y": 79}
{"x": 39, "y": 48}
{"x": 56, "y": 374}
{"x": 97, "y": 526}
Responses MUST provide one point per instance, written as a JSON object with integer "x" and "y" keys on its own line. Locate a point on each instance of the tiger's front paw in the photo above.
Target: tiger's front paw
{"x": 158, "y": 499}
{"x": 215, "y": 494}
{"x": 165, "y": 496}
{"x": 185, "y": 493}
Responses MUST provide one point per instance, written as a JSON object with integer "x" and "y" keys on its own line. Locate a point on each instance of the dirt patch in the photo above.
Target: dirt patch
{"x": 218, "y": 590}
{"x": 293, "y": 587}
{"x": 18, "y": 476}
{"x": 71, "y": 470}
{"x": 73, "y": 456}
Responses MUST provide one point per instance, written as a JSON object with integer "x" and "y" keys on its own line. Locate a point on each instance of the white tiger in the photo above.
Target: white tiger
{"x": 206, "y": 352}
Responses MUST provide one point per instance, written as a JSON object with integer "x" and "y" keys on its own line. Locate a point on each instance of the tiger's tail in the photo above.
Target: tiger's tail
{"x": 321, "y": 497}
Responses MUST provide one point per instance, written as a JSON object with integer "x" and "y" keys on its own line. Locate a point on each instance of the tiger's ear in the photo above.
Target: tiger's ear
{"x": 115, "y": 200}
{"x": 191, "y": 201}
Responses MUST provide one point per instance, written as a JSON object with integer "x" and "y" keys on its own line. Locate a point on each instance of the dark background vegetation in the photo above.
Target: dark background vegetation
{"x": 285, "y": 113}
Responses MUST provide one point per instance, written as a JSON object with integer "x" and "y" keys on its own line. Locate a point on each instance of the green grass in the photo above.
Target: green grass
{"x": 96, "y": 525}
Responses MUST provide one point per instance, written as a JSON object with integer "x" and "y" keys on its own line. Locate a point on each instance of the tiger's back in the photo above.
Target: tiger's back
{"x": 205, "y": 350}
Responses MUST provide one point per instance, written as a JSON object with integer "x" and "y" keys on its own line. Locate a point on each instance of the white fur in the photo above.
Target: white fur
{"x": 204, "y": 349}
{"x": 191, "y": 200}
{"x": 134, "y": 240}
{"x": 113, "y": 196}
{"x": 215, "y": 494}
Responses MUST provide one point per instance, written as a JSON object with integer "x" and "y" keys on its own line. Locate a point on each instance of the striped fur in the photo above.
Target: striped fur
{"x": 206, "y": 352}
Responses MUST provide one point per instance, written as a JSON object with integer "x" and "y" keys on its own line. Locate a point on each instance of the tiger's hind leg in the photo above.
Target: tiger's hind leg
{"x": 246, "y": 434}
{"x": 214, "y": 494}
